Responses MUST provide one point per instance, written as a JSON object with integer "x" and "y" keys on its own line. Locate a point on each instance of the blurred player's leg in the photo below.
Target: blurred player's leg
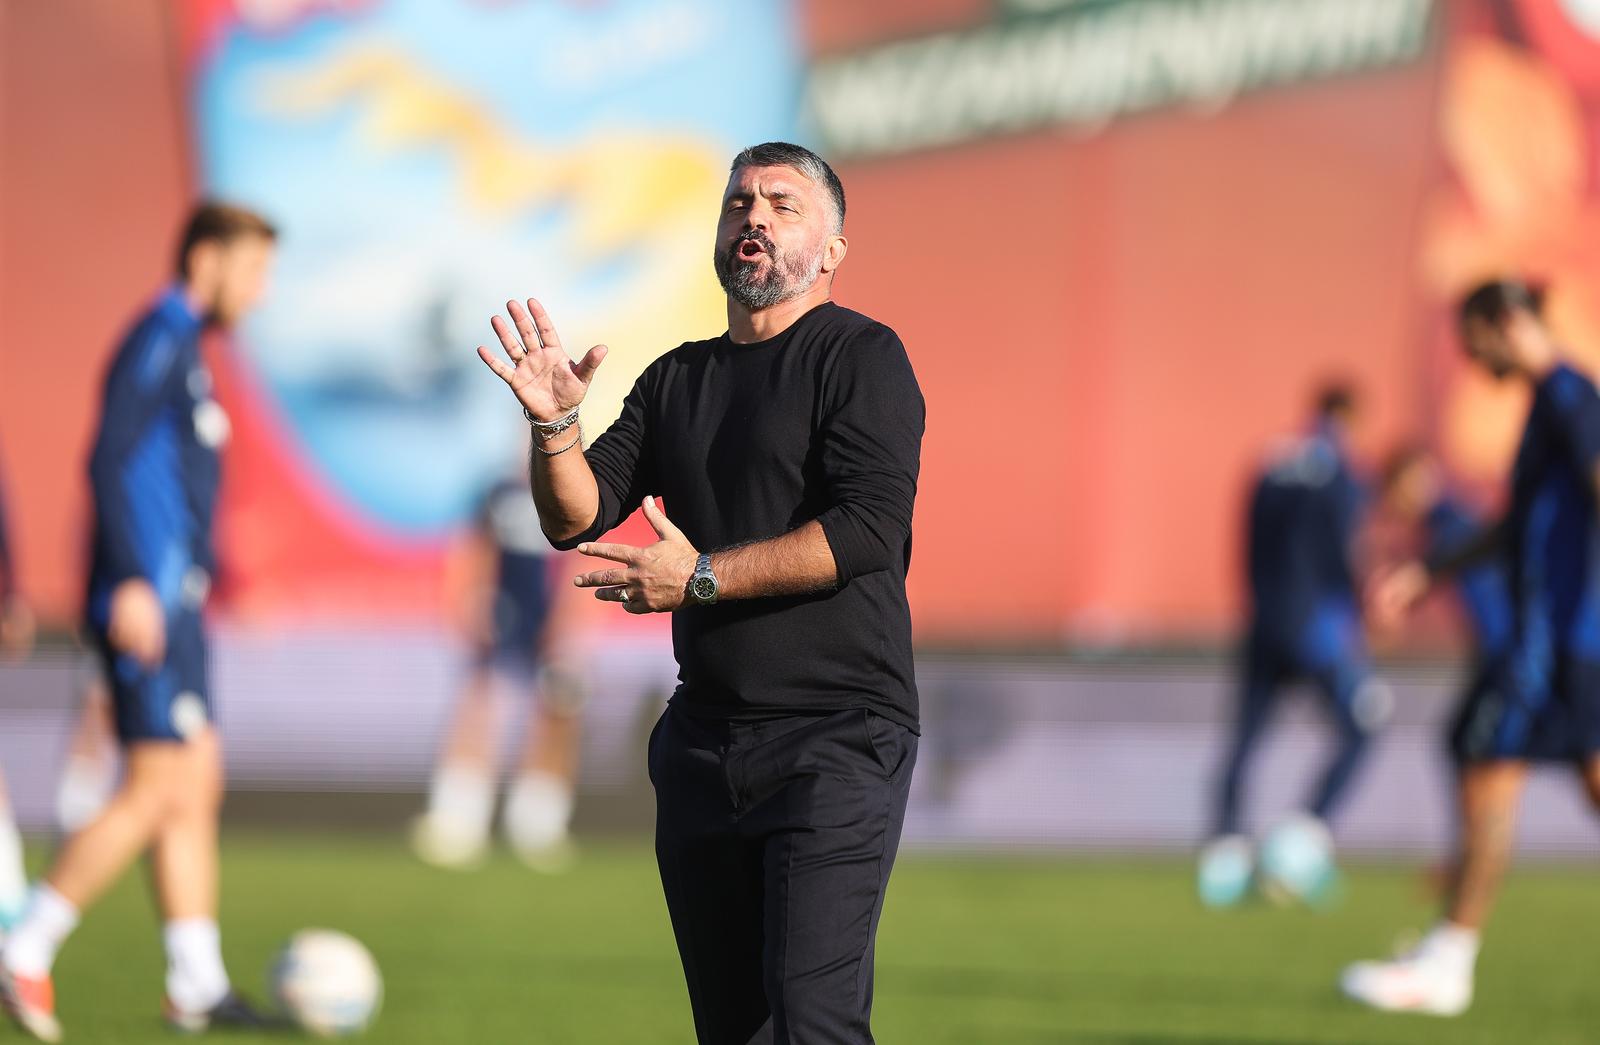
{"x": 183, "y": 864}
{"x": 1226, "y": 865}
{"x": 454, "y": 829}
{"x": 1436, "y": 976}
{"x": 90, "y": 861}
{"x": 13, "y": 876}
{"x": 1297, "y": 856}
{"x": 538, "y": 810}
{"x": 1360, "y": 705}
{"x": 90, "y": 774}
{"x": 1489, "y": 794}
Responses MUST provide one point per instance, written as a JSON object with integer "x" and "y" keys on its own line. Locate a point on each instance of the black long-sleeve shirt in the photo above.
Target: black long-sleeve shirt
{"x": 748, "y": 442}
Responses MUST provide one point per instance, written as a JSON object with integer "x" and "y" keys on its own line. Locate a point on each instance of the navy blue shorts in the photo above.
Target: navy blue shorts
{"x": 172, "y": 702}
{"x": 1555, "y": 718}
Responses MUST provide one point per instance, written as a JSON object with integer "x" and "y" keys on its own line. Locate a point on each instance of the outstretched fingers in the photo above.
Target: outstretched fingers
{"x": 509, "y": 340}
{"x": 615, "y": 552}
{"x": 502, "y": 369}
{"x": 603, "y": 578}
{"x": 543, "y": 325}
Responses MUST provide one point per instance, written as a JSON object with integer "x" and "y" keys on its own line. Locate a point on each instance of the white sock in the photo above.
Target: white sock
{"x": 47, "y": 921}
{"x": 462, "y": 798}
{"x": 1453, "y": 943}
{"x": 85, "y": 788}
{"x": 196, "y": 978}
{"x": 538, "y": 810}
{"x": 13, "y": 876}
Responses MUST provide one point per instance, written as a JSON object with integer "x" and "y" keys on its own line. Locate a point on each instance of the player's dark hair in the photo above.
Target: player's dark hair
{"x": 801, "y": 159}
{"x": 1497, "y": 299}
{"x": 1401, "y": 460}
{"x": 212, "y": 221}
{"x": 1336, "y": 399}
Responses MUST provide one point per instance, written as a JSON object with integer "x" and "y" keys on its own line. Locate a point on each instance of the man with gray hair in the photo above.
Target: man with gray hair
{"x": 787, "y": 449}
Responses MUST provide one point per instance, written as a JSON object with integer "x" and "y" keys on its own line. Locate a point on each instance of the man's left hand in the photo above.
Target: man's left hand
{"x": 653, "y": 579}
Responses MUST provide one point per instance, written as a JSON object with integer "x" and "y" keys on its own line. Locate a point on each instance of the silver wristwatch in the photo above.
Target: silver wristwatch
{"x": 703, "y": 585}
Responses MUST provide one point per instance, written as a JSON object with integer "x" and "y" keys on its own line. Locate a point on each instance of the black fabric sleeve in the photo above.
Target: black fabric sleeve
{"x": 871, "y": 447}
{"x": 619, "y": 460}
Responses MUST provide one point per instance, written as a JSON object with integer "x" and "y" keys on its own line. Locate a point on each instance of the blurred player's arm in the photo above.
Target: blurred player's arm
{"x": 1480, "y": 548}
{"x": 1394, "y": 591}
{"x": 135, "y": 395}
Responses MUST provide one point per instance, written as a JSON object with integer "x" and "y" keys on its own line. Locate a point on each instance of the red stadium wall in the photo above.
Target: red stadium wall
{"x": 94, "y": 179}
{"x": 1108, "y": 327}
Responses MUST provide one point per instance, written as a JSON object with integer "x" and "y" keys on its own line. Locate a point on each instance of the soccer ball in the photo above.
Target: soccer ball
{"x": 328, "y": 982}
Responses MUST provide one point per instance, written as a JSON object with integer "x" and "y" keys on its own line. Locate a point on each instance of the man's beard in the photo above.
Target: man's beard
{"x": 787, "y": 276}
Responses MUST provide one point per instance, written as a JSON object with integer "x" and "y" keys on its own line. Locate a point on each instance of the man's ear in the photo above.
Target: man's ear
{"x": 833, "y": 253}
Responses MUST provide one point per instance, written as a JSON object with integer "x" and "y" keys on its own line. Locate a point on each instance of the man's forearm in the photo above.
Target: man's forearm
{"x": 797, "y": 563}
{"x": 564, "y": 488}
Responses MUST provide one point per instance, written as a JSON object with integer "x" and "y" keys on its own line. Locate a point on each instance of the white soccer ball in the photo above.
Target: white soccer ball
{"x": 328, "y": 982}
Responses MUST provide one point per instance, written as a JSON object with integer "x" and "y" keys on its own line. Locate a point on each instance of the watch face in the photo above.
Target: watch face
{"x": 704, "y": 588}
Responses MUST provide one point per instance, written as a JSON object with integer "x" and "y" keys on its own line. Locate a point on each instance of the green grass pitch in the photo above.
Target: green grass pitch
{"x": 974, "y": 950}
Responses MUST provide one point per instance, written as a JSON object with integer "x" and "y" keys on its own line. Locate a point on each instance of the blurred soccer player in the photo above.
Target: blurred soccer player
{"x": 1540, "y": 700}
{"x": 154, "y": 472}
{"x": 16, "y": 639}
{"x": 1305, "y": 624}
{"x": 789, "y": 448}
{"x": 509, "y": 598}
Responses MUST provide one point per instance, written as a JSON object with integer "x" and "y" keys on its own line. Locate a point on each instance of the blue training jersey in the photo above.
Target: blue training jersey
{"x": 1552, "y": 539}
{"x": 1484, "y": 590}
{"x": 1304, "y": 513}
{"x": 155, "y": 466}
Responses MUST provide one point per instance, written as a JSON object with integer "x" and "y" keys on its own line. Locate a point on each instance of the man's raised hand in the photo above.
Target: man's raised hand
{"x": 544, "y": 378}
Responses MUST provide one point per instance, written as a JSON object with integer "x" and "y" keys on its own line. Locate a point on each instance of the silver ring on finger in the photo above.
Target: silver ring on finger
{"x": 623, "y": 596}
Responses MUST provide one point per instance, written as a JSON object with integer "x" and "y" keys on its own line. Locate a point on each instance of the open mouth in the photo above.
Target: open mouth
{"x": 749, "y": 250}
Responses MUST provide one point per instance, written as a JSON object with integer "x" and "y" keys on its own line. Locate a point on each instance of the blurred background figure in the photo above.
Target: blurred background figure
{"x": 155, "y": 471}
{"x": 89, "y": 775}
{"x": 512, "y": 591}
{"x": 1540, "y": 698}
{"x": 1413, "y": 490}
{"x": 1305, "y": 625}
{"x": 16, "y": 639}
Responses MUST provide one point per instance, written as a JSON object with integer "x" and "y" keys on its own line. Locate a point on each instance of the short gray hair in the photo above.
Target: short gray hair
{"x": 802, "y": 160}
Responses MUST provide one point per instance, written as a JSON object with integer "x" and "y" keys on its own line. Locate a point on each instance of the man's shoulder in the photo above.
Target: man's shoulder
{"x": 848, "y": 323}
{"x": 151, "y": 347}
{"x": 688, "y": 352}
{"x": 1570, "y": 388}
